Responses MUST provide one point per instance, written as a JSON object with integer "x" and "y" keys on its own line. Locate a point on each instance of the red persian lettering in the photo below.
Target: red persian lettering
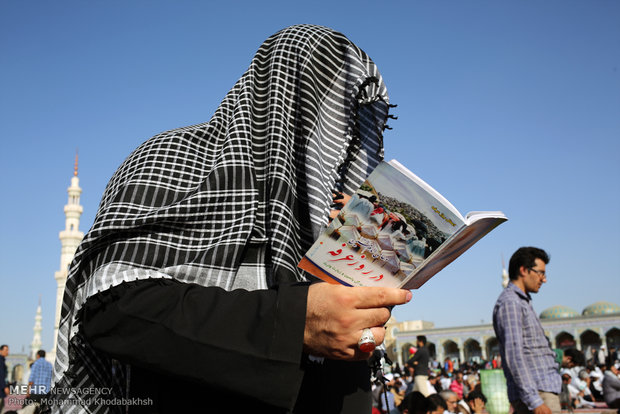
{"x": 349, "y": 257}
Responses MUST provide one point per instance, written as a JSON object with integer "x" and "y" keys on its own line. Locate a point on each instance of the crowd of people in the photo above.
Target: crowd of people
{"x": 586, "y": 383}
{"x": 440, "y": 391}
{"x": 424, "y": 386}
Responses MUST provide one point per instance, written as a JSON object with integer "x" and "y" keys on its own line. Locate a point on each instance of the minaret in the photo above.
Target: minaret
{"x": 70, "y": 238}
{"x": 35, "y": 345}
{"x": 505, "y": 279}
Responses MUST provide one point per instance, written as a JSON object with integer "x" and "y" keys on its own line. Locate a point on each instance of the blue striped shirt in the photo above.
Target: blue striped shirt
{"x": 527, "y": 358}
{"x": 41, "y": 376}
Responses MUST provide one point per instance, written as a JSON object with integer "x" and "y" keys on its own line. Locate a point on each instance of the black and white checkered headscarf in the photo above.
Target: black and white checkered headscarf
{"x": 234, "y": 202}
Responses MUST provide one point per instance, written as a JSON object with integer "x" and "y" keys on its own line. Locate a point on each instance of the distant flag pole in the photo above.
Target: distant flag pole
{"x": 505, "y": 278}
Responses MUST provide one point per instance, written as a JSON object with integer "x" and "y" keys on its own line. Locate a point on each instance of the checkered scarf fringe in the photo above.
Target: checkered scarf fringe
{"x": 233, "y": 202}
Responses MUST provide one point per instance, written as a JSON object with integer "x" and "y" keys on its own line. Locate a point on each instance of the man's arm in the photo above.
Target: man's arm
{"x": 215, "y": 338}
{"x": 34, "y": 371}
{"x": 415, "y": 359}
{"x": 611, "y": 382}
{"x": 509, "y": 323}
{"x": 3, "y": 384}
{"x": 3, "y": 374}
{"x": 140, "y": 322}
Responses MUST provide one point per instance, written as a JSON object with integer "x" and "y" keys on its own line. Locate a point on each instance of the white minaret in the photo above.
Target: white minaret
{"x": 35, "y": 345}
{"x": 70, "y": 238}
{"x": 505, "y": 279}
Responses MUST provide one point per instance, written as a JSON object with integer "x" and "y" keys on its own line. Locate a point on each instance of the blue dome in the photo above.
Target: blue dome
{"x": 601, "y": 308}
{"x": 558, "y": 312}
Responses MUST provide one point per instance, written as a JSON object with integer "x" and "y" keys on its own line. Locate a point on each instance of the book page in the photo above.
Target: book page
{"x": 427, "y": 188}
{"x": 456, "y": 246}
{"x": 392, "y": 224}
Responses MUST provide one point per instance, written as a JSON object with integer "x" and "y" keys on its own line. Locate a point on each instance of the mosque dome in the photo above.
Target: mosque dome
{"x": 558, "y": 312}
{"x": 601, "y": 308}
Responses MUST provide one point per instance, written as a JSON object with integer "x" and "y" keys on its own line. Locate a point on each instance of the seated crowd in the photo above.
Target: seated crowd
{"x": 585, "y": 384}
{"x": 449, "y": 393}
{"x": 591, "y": 383}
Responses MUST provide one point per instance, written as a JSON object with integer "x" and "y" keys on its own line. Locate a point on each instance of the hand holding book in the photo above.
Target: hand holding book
{"x": 396, "y": 231}
{"x": 336, "y": 316}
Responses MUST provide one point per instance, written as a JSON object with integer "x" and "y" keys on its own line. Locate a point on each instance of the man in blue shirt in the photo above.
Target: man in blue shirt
{"x": 529, "y": 364}
{"x": 40, "y": 377}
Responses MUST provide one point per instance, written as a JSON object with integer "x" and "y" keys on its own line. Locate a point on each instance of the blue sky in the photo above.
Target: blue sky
{"x": 502, "y": 105}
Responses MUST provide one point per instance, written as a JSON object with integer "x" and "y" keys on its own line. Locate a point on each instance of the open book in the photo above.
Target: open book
{"x": 396, "y": 231}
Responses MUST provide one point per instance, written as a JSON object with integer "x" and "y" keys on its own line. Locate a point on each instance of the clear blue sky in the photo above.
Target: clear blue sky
{"x": 502, "y": 105}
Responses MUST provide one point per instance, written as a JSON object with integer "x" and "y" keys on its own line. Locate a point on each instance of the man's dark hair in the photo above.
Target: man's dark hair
{"x": 422, "y": 339}
{"x": 475, "y": 394}
{"x": 526, "y": 257}
{"x": 404, "y": 404}
{"x": 41, "y": 353}
{"x": 3, "y": 346}
{"x": 435, "y": 401}
{"x": 416, "y": 403}
{"x": 576, "y": 356}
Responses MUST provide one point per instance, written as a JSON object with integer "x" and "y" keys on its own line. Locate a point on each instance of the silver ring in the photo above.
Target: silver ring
{"x": 367, "y": 341}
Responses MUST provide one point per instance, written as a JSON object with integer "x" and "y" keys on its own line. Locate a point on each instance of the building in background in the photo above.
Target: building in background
{"x": 18, "y": 364}
{"x": 598, "y": 324}
{"x": 70, "y": 238}
{"x": 36, "y": 343}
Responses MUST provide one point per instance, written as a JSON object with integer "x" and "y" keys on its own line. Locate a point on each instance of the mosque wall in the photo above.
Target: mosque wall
{"x": 478, "y": 342}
